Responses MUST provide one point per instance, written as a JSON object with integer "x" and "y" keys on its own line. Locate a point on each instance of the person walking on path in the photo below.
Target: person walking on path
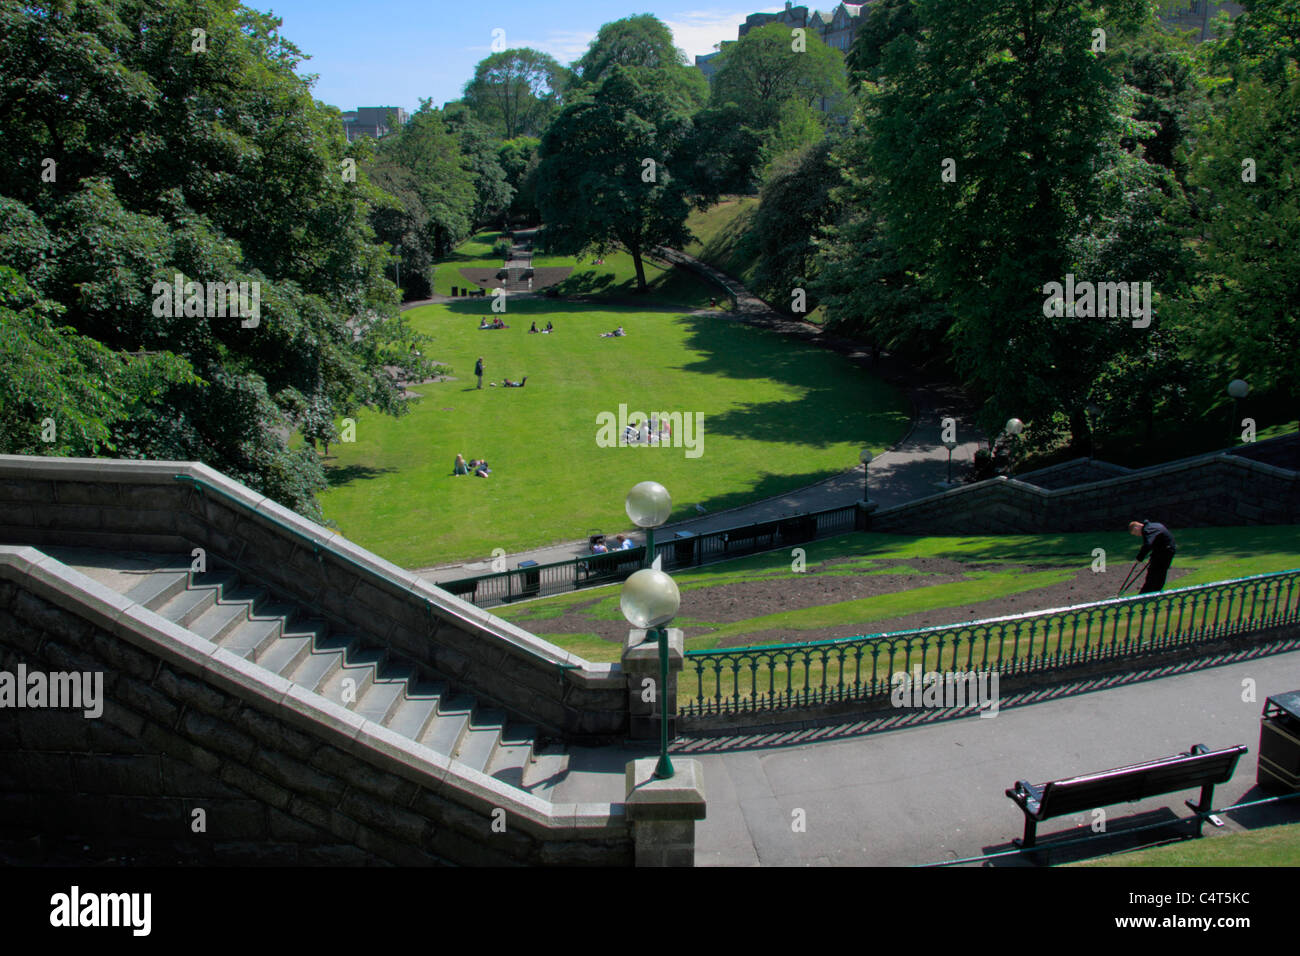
{"x": 478, "y": 370}
{"x": 1157, "y": 540}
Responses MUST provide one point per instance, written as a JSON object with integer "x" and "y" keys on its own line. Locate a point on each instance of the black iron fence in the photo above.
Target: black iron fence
{"x": 683, "y": 549}
{"x": 784, "y": 676}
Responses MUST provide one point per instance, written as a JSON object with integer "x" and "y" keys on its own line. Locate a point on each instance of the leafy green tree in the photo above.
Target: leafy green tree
{"x": 641, "y": 42}
{"x": 990, "y": 130}
{"x": 795, "y": 205}
{"x": 516, "y": 92}
{"x": 762, "y": 73}
{"x": 606, "y": 173}
{"x": 135, "y": 154}
{"x": 1243, "y": 317}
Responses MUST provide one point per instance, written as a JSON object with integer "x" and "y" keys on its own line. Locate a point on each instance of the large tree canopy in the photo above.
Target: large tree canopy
{"x": 606, "y": 168}
{"x": 136, "y": 151}
{"x": 641, "y": 42}
{"x": 516, "y": 92}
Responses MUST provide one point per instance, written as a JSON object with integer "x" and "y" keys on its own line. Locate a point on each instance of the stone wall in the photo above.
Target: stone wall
{"x": 1077, "y": 472}
{"x": 135, "y": 505}
{"x": 1219, "y": 489}
{"x": 282, "y": 776}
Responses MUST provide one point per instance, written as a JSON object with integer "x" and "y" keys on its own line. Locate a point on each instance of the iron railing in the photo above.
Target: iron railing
{"x": 785, "y": 676}
{"x": 682, "y": 550}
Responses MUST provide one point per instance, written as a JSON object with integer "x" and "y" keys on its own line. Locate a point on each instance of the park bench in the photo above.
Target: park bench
{"x": 750, "y": 533}
{"x": 1199, "y": 767}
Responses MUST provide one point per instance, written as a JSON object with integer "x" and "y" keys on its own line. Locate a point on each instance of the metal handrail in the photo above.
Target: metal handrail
{"x": 783, "y": 676}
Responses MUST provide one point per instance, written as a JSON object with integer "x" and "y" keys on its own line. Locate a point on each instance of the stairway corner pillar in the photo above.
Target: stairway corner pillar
{"x": 662, "y": 812}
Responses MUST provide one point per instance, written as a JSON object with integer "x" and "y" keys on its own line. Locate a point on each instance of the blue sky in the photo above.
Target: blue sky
{"x": 394, "y": 52}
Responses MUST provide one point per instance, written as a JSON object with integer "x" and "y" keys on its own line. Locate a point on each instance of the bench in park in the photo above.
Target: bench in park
{"x": 1199, "y": 767}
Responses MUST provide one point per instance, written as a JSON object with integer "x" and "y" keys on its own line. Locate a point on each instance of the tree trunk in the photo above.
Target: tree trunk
{"x": 1080, "y": 433}
{"x": 640, "y": 267}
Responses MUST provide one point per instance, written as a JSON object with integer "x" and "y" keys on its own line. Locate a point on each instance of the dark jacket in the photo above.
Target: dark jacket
{"x": 1156, "y": 539}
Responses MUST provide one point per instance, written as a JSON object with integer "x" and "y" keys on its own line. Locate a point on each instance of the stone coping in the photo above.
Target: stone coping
{"x": 580, "y": 671}
{"x": 379, "y": 746}
{"x": 1173, "y": 467}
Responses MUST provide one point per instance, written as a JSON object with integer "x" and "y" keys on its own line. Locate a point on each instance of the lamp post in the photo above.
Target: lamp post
{"x": 1093, "y": 413}
{"x": 950, "y": 445}
{"x": 865, "y": 457}
{"x": 1238, "y": 389}
{"x": 648, "y": 504}
{"x": 650, "y": 600}
{"x": 1013, "y": 428}
{"x": 650, "y": 597}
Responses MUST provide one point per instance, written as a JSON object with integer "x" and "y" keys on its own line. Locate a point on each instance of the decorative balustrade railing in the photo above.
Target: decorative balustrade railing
{"x": 784, "y": 676}
{"x": 682, "y": 550}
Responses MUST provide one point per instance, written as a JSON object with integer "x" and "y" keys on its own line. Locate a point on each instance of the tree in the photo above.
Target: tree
{"x": 795, "y": 204}
{"x": 1243, "y": 317}
{"x": 641, "y": 42}
{"x": 515, "y": 92}
{"x": 605, "y": 173}
{"x": 133, "y": 158}
{"x": 990, "y": 130}
{"x": 763, "y": 72}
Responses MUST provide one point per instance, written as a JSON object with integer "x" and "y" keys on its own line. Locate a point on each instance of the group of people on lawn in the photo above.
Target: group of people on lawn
{"x": 475, "y": 466}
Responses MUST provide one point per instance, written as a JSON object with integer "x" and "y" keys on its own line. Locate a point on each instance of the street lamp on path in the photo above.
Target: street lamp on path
{"x": 1238, "y": 389}
{"x": 650, "y": 598}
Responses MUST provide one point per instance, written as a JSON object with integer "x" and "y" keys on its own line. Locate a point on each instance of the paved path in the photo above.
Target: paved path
{"x": 904, "y": 790}
{"x": 917, "y": 466}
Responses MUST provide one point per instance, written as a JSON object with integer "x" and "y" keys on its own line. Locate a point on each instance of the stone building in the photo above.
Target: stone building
{"x": 372, "y": 121}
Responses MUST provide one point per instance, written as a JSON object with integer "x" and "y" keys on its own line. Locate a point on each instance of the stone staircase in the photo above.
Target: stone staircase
{"x": 286, "y": 639}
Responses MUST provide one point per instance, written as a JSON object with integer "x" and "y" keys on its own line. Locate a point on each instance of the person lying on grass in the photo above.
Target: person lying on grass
{"x": 617, "y": 333}
{"x": 510, "y": 384}
{"x": 480, "y": 468}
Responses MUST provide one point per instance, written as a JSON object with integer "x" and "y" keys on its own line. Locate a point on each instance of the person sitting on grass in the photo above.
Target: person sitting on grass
{"x": 533, "y": 330}
{"x": 549, "y": 327}
{"x": 510, "y": 384}
{"x": 483, "y": 324}
{"x": 460, "y": 467}
{"x": 498, "y": 324}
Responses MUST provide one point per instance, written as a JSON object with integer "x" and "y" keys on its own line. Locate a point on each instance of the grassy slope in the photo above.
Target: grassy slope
{"x": 777, "y": 415}
{"x": 719, "y": 233}
{"x": 1216, "y": 553}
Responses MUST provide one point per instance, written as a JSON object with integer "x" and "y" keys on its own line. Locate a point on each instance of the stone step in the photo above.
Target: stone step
{"x": 480, "y": 739}
{"x": 158, "y": 587}
{"x": 185, "y": 608}
{"x": 380, "y": 699}
{"x": 340, "y": 691}
{"x": 220, "y": 619}
{"x": 412, "y": 716}
{"x": 327, "y": 656}
{"x": 443, "y": 735}
{"x": 249, "y": 638}
{"x": 285, "y": 654}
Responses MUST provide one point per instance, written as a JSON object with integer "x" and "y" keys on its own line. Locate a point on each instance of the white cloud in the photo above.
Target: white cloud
{"x": 697, "y": 31}
{"x": 567, "y": 45}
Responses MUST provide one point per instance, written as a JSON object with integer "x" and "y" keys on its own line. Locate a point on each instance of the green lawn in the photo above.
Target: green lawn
{"x": 777, "y": 415}
{"x": 1270, "y": 846}
{"x": 1215, "y": 553}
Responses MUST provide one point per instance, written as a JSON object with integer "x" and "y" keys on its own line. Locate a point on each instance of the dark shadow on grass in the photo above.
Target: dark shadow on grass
{"x": 338, "y": 477}
{"x": 822, "y": 416}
